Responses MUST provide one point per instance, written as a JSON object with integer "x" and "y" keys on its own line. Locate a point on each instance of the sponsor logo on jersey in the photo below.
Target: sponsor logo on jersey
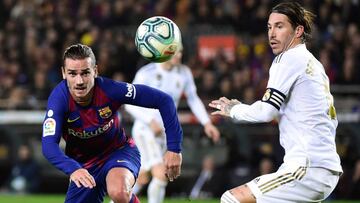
{"x": 69, "y": 120}
{"x": 131, "y": 91}
{"x": 310, "y": 68}
{"x": 105, "y": 112}
{"x": 49, "y": 127}
{"x": 89, "y": 134}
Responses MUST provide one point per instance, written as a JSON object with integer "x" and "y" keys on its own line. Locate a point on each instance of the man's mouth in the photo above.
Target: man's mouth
{"x": 80, "y": 89}
{"x": 273, "y": 43}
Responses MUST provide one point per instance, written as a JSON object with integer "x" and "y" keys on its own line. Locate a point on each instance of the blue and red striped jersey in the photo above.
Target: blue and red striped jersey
{"x": 93, "y": 132}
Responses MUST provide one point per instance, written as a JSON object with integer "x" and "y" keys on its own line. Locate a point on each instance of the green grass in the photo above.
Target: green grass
{"x": 60, "y": 198}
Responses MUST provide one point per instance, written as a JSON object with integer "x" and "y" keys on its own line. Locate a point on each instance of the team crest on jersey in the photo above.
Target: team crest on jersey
{"x": 158, "y": 77}
{"x": 266, "y": 95}
{"x": 105, "y": 112}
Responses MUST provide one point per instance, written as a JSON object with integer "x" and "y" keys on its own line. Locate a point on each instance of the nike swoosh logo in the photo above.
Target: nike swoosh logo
{"x": 73, "y": 120}
{"x": 121, "y": 161}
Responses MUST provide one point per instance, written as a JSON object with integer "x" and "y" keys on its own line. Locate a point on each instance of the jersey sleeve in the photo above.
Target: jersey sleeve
{"x": 52, "y": 132}
{"x": 283, "y": 74}
{"x": 193, "y": 100}
{"x": 138, "y": 113}
{"x": 145, "y": 96}
{"x": 281, "y": 78}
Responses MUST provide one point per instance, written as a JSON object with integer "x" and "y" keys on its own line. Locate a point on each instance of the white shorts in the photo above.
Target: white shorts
{"x": 148, "y": 144}
{"x": 294, "y": 184}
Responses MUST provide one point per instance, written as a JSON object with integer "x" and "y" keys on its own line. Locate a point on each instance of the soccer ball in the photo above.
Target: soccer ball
{"x": 158, "y": 39}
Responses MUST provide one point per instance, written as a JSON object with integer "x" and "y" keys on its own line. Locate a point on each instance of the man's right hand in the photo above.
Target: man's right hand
{"x": 82, "y": 177}
{"x": 223, "y": 106}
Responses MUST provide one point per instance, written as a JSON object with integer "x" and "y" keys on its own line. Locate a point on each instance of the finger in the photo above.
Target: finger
{"x": 217, "y": 113}
{"x": 214, "y": 103}
{"x": 215, "y": 137}
{"x": 172, "y": 173}
{"x": 77, "y": 183}
{"x": 169, "y": 177}
{"x": 225, "y": 100}
{"x": 92, "y": 180}
{"x": 177, "y": 171}
{"x": 89, "y": 179}
{"x": 83, "y": 182}
{"x": 86, "y": 182}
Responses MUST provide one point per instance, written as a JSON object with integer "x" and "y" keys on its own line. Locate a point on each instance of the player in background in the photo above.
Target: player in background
{"x": 298, "y": 95}
{"x": 99, "y": 157}
{"x": 175, "y": 79}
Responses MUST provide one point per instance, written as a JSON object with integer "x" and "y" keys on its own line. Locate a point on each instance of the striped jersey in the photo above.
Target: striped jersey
{"x": 93, "y": 132}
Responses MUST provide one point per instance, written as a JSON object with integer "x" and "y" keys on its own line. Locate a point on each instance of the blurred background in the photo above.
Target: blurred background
{"x": 225, "y": 45}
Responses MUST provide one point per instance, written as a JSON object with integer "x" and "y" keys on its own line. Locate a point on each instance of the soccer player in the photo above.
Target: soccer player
{"x": 175, "y": 79}
{"x": 99, "y": 157}
{"x": 298, "y": 95}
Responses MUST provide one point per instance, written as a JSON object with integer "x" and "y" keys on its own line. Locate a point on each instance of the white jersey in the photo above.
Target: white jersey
{"x": 299, "y": 88}
{"x": 175, "y": 82}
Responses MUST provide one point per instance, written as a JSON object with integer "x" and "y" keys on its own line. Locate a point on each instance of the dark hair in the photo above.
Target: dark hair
{"x": 79, "y": 51}
{"x": 297, "y": 15}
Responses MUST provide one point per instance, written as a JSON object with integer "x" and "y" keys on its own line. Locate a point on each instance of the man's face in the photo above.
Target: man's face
{"x": 80, "y": 75}
{"x": 176, "y": 59}
{"x": 280, "y": 32}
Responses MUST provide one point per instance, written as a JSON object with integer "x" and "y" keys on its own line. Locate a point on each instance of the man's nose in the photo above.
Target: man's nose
{"x": 271, "y": 33}
{"x": 79, "y": 79}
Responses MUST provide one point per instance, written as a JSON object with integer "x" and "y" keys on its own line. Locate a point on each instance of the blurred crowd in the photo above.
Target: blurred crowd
{"x": 34, "y": 33}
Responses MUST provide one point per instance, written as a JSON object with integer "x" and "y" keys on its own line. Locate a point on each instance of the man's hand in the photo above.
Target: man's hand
{"x": 223, "y": 105}
{"x": 82, "y": 177}
{"x": 212, "y": 132}
{"x": 172, "y": 163}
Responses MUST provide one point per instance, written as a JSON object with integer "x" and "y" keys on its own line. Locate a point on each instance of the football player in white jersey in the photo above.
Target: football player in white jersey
{"x": 175, "y": 79}
{"x": 298, "y": 96}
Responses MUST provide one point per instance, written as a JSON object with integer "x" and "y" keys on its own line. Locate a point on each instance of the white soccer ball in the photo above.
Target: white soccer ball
{"x": 158, "y": 39}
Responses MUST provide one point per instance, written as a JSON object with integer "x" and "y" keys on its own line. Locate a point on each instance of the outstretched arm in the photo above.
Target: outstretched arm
{"x": 198, "y": 108}
{"x": 256, "y": 112}
{"x": 145, "y": 96}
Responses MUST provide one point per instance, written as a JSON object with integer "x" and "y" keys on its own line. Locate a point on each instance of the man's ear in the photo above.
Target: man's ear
{"x": 299, "y": 30}
{"x": 63, "y": 72}
{"x": 96, "y": 70}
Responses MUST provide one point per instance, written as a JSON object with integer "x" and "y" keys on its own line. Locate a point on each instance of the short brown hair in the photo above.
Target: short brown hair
{"x": 79, "y": 51}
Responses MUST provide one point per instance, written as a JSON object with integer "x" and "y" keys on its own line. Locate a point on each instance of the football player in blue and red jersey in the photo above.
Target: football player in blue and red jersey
{"x": 99, "y": 157}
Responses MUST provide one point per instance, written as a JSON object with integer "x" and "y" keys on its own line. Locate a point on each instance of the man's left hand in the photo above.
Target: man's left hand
{"x": 172, "y": 163}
